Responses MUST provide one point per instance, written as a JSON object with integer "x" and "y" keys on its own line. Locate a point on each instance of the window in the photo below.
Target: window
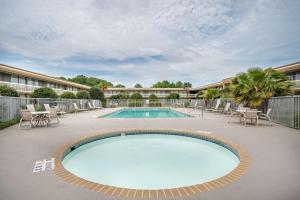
{"x": 5, "y": 77}
{"x": 14, "y": 79}
{"x": 21, "y": 80}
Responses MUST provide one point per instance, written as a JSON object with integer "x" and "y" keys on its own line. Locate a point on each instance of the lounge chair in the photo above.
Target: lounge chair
{"x": 225, "y": 110}
{"x": 216, "y": 107}
{"x": 47, "y": 107}
{"x": 266, "y": 116}
{"x": 26, "y": 116}
{"x": 30, "y": 107}
{"x": 96, "y": 107}
{"x": 78, "y": 109}
{"x": 90, "y": 106}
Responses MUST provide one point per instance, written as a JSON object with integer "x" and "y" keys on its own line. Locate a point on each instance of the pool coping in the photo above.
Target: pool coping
{"x": 234, "y": 175}
{"x": 122, "y": 108}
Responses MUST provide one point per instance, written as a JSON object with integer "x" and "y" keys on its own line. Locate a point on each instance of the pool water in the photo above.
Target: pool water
{"x": 146, "y": 113}
{"x": 150, "y": 161}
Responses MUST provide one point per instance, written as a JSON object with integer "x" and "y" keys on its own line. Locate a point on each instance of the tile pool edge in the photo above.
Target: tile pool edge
{"x": 160, "y": 193}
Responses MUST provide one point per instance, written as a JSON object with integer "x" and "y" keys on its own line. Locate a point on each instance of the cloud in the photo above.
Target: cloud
{"x": 145, "y": 41}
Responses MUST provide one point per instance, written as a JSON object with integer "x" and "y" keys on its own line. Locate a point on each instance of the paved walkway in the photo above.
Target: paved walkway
{"x": 274, "y": 171}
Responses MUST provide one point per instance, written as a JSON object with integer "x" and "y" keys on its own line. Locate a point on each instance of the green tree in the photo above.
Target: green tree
{"x": 179, "y": 84}
{"x": 96, "y": 93}
{"x": 136, "y": 95}
{"x": 83, "y": 95}
{"x": 173, "y": 96}
{"x": 44, "y": 92}
{"x": 119, "y": 86}
{"x": 90, "y": 81}
{"x": 152, "y": 96}
{"x": 211, "y": 94}
{"x": 68, "y": 95}
{"x": 187, "y": 85}
{"x": 8, "y": 91}
{"x": 257, "y": 85}
{"x": 138, "y": 85}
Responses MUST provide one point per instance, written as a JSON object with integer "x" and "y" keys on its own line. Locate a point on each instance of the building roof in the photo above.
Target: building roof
{"x": 34, "y": 75}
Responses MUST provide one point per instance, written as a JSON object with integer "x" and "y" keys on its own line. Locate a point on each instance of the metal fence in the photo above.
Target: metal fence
{"x": 285, "y": 110}
{"x": 10, "y": 106}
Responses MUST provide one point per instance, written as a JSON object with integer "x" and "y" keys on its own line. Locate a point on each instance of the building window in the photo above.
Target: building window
{"x": 14, "y": 79}
{"x": 21, "y": 80}
{"x": 5, "y": 77}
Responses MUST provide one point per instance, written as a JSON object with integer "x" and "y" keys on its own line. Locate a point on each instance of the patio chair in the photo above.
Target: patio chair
{"x": 266, "y": 116}
{"x": 216, "y": 107}
{"x": 77, "y": 109}
{"x": 96, "y": 107}
{"x": 30, "y": 107}
{"x": 59, "y": 111}
{"x": 47, "y": 107}
{"x": 26, "y": 116}
{"x": 250, "y": 115}
{"x": 53, "y": 115}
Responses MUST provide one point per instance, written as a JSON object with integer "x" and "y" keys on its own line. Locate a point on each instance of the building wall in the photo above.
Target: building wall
{"x": 146, "y": 92}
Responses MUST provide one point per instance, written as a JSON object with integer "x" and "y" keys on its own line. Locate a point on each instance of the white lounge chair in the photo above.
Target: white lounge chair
{"x": 77, "y": 109}
{"x": 266, "y": 116}
{"x": 250, "y": 115}
{"x": 225, "y": 110}
{"x": 216, "y": 107}
{"x": 30, "y": 107}
{"x": 90, "y": 106}
{"x": 96, "y": 107}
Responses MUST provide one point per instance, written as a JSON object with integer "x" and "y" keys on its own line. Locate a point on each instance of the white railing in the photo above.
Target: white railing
{"x": 23, "y": 88}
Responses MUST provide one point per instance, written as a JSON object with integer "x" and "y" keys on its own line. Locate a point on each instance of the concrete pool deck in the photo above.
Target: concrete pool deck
{"x": 274, "y": 172}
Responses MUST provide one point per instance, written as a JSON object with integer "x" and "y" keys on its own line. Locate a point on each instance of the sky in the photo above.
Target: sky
{"x": 144, "y": 41}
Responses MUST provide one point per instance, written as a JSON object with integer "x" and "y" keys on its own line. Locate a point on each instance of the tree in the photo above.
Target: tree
{"x": 179, "y": 84}
{"x": 96, "y": 93}
{"x": 136, "y": 95}
{"x": 257, "y": 85}
{"x": 152, "y": 96}
{"x": 119, "y": 86}
{"x": 173, "y": 96}
{"x": 8, "y": 91}
{"x": 44, "y": 92}
{"x": 138, "y": 85}
{"x": 83, "y": 95}
{"x": 187, "y": 85}
{"x": 68, "y": 95}
{"x": 89, "y": 81}
{"x": 211, "y": 94}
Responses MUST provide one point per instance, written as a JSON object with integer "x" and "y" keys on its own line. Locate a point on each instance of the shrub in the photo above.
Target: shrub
{"x": 135, "y": 103}
{"x": 8, "y": 91}
{"x": 96, "y": 93}
{"x": 82, "y": 95}
{"x": 68, "y": 95}
{"x": 136, "y": 95}
{"x": 5, "y": 124}
{"x": 173, "y": 96}
{"x": 44, "y": 92}
{"x": 153, "y": 101}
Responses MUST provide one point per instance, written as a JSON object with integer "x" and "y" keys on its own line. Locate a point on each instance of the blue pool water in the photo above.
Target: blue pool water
{"x": 146, "y": 113}
{"x": 150, "y": 161}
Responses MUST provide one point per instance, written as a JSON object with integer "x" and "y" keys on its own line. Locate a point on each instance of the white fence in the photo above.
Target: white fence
{"x": 10, "y": 106}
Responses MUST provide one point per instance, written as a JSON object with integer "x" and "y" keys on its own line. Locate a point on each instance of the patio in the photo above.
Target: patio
{"x": 274, "y": 150}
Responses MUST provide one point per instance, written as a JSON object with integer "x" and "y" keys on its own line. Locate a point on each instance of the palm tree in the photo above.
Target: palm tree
{"x": 258, "y": 85}
{"x": 103, "y": 85}
{"x": 210, "y": 94}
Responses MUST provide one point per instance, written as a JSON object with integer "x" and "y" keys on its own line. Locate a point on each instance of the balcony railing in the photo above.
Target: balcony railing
{"x": 23, "y": 88}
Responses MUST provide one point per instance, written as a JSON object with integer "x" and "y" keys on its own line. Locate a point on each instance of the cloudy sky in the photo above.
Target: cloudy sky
{"x": 130, "y": 41}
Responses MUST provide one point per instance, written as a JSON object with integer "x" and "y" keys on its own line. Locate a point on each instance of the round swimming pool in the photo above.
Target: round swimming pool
{"x": 150, "y": 160}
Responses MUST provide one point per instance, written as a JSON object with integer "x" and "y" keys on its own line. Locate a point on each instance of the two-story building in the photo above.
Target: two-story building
{"x": 146, "y": 92}
{"x": 291, "y": 70}
{"x": 25, "y": 82}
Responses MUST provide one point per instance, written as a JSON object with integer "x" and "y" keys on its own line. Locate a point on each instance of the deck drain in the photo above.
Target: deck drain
{"x": 43, "y": 165}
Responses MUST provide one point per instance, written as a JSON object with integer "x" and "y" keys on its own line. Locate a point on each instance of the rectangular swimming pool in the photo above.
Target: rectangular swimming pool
{"x": 146, "y": 113}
